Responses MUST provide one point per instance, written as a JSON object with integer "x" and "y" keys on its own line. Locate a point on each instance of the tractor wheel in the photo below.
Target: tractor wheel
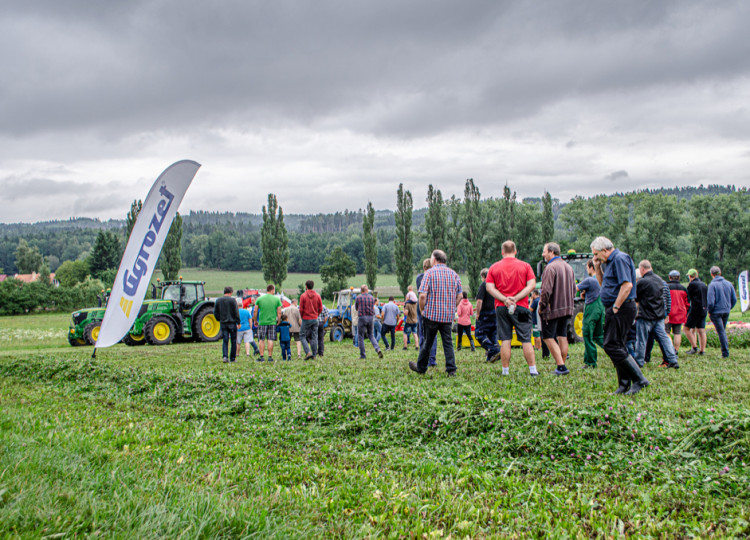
{"x": 132, "y": 341}
{"x": 160, "y": 331}
{"x": 337, "y": 333}
{"x": 91, "y": 332}
{"x": 575, "y": 326}
{"x": 205, "y": 326}
{"x": 77, "y": 342}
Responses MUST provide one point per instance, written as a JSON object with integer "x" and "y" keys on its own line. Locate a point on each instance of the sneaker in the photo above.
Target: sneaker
{"x": 380, "y": 354}
{"x": 561, "y": 370}
{"x": 588, "y": 366}
{"x": 309, "y": 357}
{"x": 405, "y": 348}
{"x": 261, "y": 359}
{"x": 247, "y": 354}
{"x": 534, "y": 374}
{"x": 270, "y": 359}
{"x": 451, "y": 373}
{"x": 674, "y": 365}
{"x": 701, "y": 353}
{"x": 225, "y": 360}
{"x": 494, "y": 358}
{"x": 694, "y": 350}
{"x": 664, "y": 364}
{"x": 414, "y": 368}
{"x": 232, "y": 361}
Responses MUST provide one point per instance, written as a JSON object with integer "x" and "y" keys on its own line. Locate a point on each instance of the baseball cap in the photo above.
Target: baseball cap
{"x": 692, "y": 272}
{"x": 674, "y": 273}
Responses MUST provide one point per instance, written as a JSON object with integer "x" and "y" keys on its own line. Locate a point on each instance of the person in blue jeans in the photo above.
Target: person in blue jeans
{"x": 721, "y": 299}
{"x": 285, "y": 337}
{"x": 389, "y": 315}
{"x": 649, "y": 294}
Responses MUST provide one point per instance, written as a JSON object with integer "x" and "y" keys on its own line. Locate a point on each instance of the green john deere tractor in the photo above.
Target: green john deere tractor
{"x": 85, "y": 323}
{"x": 178, "y": 309}
{"x": 578, "y": 262}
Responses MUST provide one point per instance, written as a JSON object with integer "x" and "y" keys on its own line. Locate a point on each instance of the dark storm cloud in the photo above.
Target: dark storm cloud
{"x": 403, "y": 68}
{"x": 617, "y": 175}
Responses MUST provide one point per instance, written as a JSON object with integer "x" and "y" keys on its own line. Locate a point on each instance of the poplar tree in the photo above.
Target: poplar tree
{"x": 135, "y": 209}
{"x": 453, "y": 234}
{"x": 548, "y": 221}
{"x": 171, "y": 254}
{"x": 403, "y": 251}
{"x": 434, "y": 220}
{"x": 370, "y": 241}
{"x": 274, "y": 243}
{"x": 474, "y": 232}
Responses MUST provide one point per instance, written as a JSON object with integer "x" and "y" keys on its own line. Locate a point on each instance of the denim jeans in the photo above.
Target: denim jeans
{"x": 286, "y": 349}
{"x": 431, "y": 330}
{"x": 420, "y": 330}
{"x": 308, "y": 334}
{"x": 389, "y": 329}
{"x": 229, "y": 334}
{"x": 643, "y": 327}
{"x": 365, "y": 329}
{"x": 720, "y": 321}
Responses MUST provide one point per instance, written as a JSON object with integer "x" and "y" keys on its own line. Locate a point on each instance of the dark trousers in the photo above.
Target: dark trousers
{"x": 720, "y": 321}
{"x": 616, "y": 329}
{"x": 486, "y": 333}
{"x": 431, "y": 330}
{"x": 650, "y": 347}
{"x": 229, "y": 333}
{"x": 420, "y": 331}
{"x": 321, "y": 338}
{"x": 388, "y": 329}
{"x": 365, "y": 330}
{"x": 464, "y": 329}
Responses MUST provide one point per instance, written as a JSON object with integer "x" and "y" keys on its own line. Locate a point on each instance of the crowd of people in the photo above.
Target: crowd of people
{"x": 625, "y": 311}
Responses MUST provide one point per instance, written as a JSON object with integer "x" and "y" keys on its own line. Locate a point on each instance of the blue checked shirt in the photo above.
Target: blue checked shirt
{"x": 323, "y": 317}
{"x": 442, "y": 286}
{"x": 365, "y": 304}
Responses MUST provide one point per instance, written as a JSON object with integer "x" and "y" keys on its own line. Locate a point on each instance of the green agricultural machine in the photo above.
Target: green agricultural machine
{"x": 177, "y": 309}
{"x": 85, "y": 323}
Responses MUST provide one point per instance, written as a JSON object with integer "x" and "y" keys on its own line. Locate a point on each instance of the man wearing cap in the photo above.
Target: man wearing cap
{"x": 721, "y": 299}
{"x": 680, "y": 304}
{"x": 696, "y": 317}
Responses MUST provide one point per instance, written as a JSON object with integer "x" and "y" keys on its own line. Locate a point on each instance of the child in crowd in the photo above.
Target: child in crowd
{"x": 285, "y": 337}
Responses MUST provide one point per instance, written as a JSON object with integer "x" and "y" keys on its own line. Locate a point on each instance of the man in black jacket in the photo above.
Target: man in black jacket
{"x": 228, "y": 314}
{"x": 649, "y": 295}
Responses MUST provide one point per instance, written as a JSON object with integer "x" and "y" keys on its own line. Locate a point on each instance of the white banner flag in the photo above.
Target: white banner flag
{"x": 143, "y": 249}
{"x": 744, "y": 295}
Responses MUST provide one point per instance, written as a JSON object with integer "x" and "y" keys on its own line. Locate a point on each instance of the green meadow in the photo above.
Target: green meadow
{"x": 170, "y": 442}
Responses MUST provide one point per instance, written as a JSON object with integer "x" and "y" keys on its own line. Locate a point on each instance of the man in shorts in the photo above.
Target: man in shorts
{"x": 267, "y": 315}
{"x": 695, "y": 325}
{"x": 679, "y": 311}
{"x": 509, "y": 282}
{"x": 556, "y": 304}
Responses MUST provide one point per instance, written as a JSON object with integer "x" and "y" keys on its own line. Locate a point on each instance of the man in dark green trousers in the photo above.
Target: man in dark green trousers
{"x": 593, "y": 317}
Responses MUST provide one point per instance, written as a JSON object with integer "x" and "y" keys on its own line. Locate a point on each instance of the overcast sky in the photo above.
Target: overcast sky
{"x": 332, "y": 104}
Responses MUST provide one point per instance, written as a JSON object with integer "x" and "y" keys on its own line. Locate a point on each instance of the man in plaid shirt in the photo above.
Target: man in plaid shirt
{"x": 365, "y": 305}
{"x": 322, "y": 327}
{"x": 439, "y": 294}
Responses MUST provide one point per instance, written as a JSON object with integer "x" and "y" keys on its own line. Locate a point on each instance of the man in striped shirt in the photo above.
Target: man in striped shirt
{"x": 439, "y": 294}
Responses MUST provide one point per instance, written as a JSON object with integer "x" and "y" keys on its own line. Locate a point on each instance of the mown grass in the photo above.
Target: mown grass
{"x": 168, "y": 441}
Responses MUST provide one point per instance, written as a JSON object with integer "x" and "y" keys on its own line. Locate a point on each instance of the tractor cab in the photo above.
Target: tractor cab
{"x": 184, "y": 294}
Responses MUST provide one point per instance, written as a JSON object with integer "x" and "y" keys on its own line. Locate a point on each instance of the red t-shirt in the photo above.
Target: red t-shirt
{"x": 509, "y": 275}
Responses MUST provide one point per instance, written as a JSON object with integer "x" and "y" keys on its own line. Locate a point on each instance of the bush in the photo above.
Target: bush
{"x": 738, "y": 338}
{"x": 17, "y": 297}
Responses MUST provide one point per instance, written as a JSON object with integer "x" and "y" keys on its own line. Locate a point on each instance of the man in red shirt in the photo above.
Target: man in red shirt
{"x": 510, "y": 281}
{"x": 310, "y": 306}
{"x": 680, "y": 306}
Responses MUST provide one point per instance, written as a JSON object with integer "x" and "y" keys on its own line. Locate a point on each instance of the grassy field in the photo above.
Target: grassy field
{"x": 216, "y": 280}
{"x": 170, "y": 442}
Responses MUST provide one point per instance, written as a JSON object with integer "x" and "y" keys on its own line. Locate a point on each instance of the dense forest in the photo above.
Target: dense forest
{"x": 673, "y": 227}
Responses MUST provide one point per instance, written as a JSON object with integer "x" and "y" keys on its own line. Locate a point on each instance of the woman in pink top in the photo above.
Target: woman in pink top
{"x": 464, "y": 311}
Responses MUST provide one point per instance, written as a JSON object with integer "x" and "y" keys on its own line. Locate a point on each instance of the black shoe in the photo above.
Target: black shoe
{"x": 309, "y": 357}
{"x": 225, "y": 360}
{"x": 701, "y": 353}
{"x": 694, "y": 350}
{"x": 413, "y": 367}
{"x": 270, "y": 359}
{"x": 451, "y": 373}
{"x": 458, "y": 348}
{"x": 494, "y": 358}
{"x": 561, "y": 370}
{"x": 405, "y": 348}
{"x": 631, "y": 370}
{"x": 674, "y": 365}
{"x": 473, "y": 349}
{"x": 623, "y": 381}
{"x": 261, "y": 359}
{"x": 588, "y": 366}
{"x": 380, "y": 354}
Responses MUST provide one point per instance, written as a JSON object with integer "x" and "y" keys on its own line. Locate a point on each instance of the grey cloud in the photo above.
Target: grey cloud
{"x": 145, "y": 65}
{"x": 617, "y": 175}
